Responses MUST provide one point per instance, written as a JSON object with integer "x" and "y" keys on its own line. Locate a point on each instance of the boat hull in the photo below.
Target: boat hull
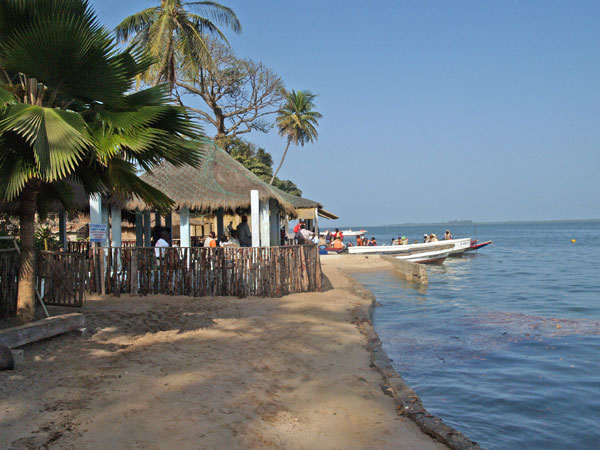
{"x": 434, "y": 257}
{"x": 454, "y": 246}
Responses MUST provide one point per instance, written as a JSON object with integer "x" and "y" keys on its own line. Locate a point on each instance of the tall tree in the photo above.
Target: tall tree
{"x": 174, "y": 34}
{"x": 260, "y": 163}
{"x": 297, "y": 121}
{"x": 66, "y": 117}
{"x": 238, "y": 93}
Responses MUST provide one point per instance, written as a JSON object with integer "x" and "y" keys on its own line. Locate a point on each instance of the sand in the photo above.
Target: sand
{"x": 226, "y": 373}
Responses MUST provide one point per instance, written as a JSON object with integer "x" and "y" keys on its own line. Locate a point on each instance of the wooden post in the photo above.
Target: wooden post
{"x": 220, "y": 225}
{"x": 147, "y": 229}
{"x": 62, "y": 229}
{"x": 169, "y": 225}
{"x": 255, "y": 215}
{"x": 139, "y": 229}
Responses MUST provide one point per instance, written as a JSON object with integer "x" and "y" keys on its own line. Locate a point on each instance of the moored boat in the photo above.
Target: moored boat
{"x": 429, "y": 257}
{"x": 454, "y": 247}
{"x": 347, "y": 233}
{"x": 476, "y": 245}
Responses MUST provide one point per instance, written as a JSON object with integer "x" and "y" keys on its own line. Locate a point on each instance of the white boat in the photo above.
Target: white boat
{"x": 454, "y": 247}
{"x": 347, "y": 233}
{"x": 428, "y": 257}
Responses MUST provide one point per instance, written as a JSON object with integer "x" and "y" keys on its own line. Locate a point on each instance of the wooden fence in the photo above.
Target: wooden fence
{"x": 198, "y": 272}
{"x": 9, "y": 270}
{"x": 62, "y": 277}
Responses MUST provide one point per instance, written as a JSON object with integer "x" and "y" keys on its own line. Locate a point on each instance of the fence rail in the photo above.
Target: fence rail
{"x": 198, "y": 272}
{"x": 9, "y": 270}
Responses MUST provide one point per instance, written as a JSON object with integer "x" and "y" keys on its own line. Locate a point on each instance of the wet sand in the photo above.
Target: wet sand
{"x": 180, "y": 372}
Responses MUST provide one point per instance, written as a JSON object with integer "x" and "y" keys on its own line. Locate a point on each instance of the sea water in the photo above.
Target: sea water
{"x": 503, "y": 344}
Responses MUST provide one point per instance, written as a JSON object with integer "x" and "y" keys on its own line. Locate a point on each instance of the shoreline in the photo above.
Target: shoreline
{"x": 408, "y": 402}
{"x": 181, "y": 372}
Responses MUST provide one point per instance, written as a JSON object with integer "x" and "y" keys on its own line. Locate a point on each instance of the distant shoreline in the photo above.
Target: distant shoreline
{"x": 468, "y": 222}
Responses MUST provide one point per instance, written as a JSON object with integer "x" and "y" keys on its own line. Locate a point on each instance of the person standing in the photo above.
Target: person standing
{"x": 243, "y": 231}
{"x": 230, "y": 228}
{"x": 162, "y": 242}
{"x": 305, "y": 235}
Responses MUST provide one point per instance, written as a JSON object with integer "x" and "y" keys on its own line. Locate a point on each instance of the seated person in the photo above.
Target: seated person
{"x": 210, "y": 241}
{"x": 433, "y": 238}
{"x": 338, "y": 244}
{"x": 448, "y": 236}
{"x": 358, "y": 241}
{"x": 403, "y": 240}
{"x": 372, "y": 242}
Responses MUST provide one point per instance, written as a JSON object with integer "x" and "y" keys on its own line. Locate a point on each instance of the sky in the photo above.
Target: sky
{"x": 433, "y": 110}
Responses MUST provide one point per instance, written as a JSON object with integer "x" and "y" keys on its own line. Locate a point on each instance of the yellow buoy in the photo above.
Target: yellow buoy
{"x": 573, "y": 241}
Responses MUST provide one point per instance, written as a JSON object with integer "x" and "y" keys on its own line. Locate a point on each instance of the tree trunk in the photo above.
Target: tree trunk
{"x": 281, "y": 163}
{"x": 26, "y": 292}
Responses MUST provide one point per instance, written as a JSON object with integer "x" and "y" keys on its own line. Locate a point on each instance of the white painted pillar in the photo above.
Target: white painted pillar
{"x": 317, "y": 222}
{"x": 106, "y": 220}
{"x": 184, "y": 227}
{"x": 265, "y": 228}
{"x": 115, "y": 228}
{"x": 95, "y": 209}
{"x": 255, "y": 214}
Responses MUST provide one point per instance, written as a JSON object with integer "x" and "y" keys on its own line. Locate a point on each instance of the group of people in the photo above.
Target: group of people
{"x": 365, "y": 242}
{"x": 432, "y": 237}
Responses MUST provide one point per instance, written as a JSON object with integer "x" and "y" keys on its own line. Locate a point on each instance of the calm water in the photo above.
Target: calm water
{"x": 504, "y": 344}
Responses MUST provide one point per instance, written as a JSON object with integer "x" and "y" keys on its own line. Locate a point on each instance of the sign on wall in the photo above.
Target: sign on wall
{"x": 98, "y": 232}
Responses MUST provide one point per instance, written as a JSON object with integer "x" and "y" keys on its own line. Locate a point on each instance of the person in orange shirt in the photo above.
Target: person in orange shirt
{"x": 210, "y": 241}
{"x": 359, "y": 241}
{"x": 338, "y": 244}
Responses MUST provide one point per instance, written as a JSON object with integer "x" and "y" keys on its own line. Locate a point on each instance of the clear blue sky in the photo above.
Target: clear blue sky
{"x": 434, "y": 110}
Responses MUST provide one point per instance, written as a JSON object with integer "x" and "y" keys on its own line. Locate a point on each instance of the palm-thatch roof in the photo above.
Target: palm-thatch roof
{"x": 220, "y": 182}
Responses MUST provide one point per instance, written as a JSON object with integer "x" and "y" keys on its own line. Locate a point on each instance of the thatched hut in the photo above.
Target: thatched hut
{"x": 221, "y": 185}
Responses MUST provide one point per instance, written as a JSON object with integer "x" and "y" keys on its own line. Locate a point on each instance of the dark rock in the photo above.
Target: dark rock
{"x": 7, "y": 361}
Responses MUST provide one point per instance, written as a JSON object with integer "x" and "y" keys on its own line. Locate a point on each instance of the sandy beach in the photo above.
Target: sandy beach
{"x": 180, "y": 372}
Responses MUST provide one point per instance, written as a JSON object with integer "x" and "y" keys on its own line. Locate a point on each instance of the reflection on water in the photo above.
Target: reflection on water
{"x": 503, "y": 344}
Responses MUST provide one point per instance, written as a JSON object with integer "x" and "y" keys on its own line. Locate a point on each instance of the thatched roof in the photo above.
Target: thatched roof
{"x": 220, "y": 182}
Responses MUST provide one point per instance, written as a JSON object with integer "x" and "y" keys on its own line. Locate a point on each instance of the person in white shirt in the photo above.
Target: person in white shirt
{"x": 162, "y": 242}
{"x": 210, "y": 241}
{"x": 306, "y": 235}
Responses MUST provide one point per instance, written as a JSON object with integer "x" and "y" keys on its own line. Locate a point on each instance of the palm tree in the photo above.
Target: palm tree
{"x": 66, "y": 117}
{"x": 174, "y": 34}
{"x": 297, "y": 121}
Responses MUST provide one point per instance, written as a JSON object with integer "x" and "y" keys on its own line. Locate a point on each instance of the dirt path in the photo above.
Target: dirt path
{"x": 222, "y": 373}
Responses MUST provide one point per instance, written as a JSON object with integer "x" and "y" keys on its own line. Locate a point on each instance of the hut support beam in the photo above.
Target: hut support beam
{"x": 115, "y": 225}
{"x": 265, "y": 228}
{"x": 147, "y": 229}
{"x": 169, "y": 225}
{"x": 157, "y": 220}
{"x": 274, "y": 223}
{"x": 106, "y": 221}
{"x": 139, "y": 229}
{"x": 255, "y": 215}
{"x": 184, "y": 227}
{"x": 62, "y": 228}
{"x": 220, "y": 224}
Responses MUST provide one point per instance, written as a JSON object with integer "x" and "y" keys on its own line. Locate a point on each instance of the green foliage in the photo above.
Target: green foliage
{"x": 44, "y": 237}
{"x": 297, "y": 121}
{"x": 259, "y": 162}
{"x": 174, "y": 34}
{"x": 66, "y": 112}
